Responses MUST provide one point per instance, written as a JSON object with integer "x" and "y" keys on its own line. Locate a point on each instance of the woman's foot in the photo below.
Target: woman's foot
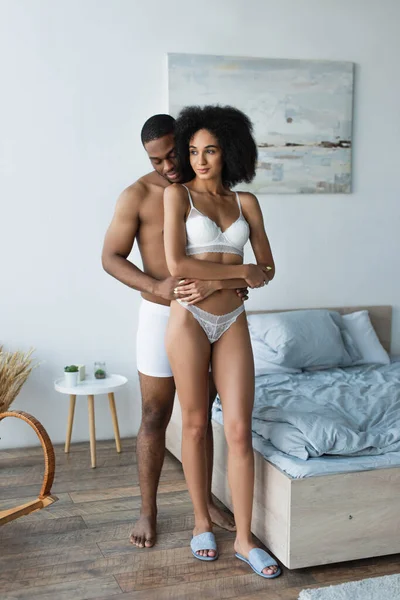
{"x": 243, "y": 548}
{"x": 203, "y": 528}
{"x": 144, "y": 532}
{"x": 221, "y": 518}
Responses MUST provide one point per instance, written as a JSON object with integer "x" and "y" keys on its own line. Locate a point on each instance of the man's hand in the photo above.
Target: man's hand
{"x": 192, "y": 291}
{"x": 243, "y": 294}
{"x": 165, "y": 288}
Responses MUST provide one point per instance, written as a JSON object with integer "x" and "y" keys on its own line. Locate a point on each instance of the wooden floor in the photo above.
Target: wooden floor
{"x": 78, "y": 548}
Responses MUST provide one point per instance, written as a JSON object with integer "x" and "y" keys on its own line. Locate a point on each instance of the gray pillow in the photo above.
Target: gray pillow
{"x": 300, "y": 339}
{"x": 348, "y": 341}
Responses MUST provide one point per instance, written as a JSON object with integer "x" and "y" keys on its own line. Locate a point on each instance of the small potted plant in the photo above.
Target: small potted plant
{"x": 71, "y": 375}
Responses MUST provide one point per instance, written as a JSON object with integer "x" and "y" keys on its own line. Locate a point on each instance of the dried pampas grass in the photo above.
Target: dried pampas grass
{"x": 15, "y": 368}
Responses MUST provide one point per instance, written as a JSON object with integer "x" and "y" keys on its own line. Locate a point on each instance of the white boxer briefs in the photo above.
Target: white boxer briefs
{"x": 151, "y": 355}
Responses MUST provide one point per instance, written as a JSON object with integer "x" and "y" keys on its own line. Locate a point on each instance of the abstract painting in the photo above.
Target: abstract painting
{"x": 301, "y": 111}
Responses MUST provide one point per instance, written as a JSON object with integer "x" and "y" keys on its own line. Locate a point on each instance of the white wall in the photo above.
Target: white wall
{"x": 78, "y": 79}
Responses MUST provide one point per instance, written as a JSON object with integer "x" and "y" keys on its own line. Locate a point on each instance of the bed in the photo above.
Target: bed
{"x": 319, "y": 519}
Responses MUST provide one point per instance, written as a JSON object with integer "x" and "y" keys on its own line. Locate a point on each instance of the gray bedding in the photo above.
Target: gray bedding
{"x": 347, "y": 412}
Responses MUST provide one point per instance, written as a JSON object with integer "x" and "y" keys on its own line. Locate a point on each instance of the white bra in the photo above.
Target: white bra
{"x": 204, "y": 235}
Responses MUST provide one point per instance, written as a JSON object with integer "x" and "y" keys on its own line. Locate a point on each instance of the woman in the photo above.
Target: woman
{"x": 206, "y": 226}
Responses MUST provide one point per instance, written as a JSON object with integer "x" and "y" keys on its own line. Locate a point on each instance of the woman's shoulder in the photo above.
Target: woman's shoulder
{"x": 247, "y": 197}
{"x": 176, "y": 196}
{"x": 175, "y": 190}
{"x": 250, "y": 206}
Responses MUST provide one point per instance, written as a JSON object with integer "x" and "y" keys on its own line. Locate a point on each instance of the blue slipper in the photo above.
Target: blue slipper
{"x": 204, "y": 541}
{"x": 259, "y": 560}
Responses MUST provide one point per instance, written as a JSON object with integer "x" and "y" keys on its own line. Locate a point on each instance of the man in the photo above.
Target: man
{"x": 139, "y": 215}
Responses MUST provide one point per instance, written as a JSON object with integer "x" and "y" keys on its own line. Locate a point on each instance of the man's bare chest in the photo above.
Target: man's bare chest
{"x": 152, "y": 221}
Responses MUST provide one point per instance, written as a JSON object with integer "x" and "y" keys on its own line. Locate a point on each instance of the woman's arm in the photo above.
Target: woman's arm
{"x": 181, "y": 265}
{"x": 193, "y": 291}
{"x": 258, "y": 238}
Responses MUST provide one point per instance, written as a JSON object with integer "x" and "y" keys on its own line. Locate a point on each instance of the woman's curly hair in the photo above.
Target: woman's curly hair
{"x": 233, "y": 130}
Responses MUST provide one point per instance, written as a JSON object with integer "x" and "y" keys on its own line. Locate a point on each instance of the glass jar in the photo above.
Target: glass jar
{"x": 100, "y": 370}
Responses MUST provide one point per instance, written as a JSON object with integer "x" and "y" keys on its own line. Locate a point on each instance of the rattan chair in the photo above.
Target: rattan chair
{"x": 45, "y": 498}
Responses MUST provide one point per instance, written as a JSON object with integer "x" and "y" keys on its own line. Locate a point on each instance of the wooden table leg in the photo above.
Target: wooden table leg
{"x": 113, "y": 410}
{"x": 71, "y": 413}
{"x": 92, "y": 431}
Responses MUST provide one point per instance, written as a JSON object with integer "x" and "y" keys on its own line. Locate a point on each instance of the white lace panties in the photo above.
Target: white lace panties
{"x": 213, "y": 325}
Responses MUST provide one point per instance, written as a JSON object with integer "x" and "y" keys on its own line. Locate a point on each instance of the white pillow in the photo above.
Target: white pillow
{"x": 360, "y": 328}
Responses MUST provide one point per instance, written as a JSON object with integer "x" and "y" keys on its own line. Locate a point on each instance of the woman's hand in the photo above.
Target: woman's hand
{"x": 256, "y": 276}
{"x": 192, "y": 291}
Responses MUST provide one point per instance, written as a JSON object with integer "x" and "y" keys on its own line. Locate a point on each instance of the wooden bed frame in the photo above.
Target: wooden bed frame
{"x": 322, "y": 519}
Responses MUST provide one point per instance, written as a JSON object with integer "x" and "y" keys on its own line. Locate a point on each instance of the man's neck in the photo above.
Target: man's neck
{"x": 155, "y": 178}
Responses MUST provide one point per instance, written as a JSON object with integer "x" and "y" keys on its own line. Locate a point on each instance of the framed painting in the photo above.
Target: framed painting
{"x": 301, "y": 111}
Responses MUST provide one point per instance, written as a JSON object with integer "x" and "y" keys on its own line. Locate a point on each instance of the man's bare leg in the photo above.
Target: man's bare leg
{"x": 157, "y": 402}
{"x": 218, "y": 516}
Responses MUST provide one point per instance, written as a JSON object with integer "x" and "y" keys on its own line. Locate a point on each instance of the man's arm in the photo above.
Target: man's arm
{"x": 119, "y": 241}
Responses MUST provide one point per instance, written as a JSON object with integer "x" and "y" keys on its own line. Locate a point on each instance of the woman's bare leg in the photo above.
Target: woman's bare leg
{"x": 233, "y": 371}
{"x": 218, "y": 517}
{"x": 189, "y": 354}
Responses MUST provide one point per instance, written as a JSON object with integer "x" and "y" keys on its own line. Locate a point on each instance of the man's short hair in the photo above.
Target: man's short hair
{"x": 156, "y": 127}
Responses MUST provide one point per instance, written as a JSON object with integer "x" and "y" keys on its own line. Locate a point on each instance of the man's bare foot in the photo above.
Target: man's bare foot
{"x": 144, "y": 532}
{"x": 244, "y": 548}
{"x": 221, "y": 518}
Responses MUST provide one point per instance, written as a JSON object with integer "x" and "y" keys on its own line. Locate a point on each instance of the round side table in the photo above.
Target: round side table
{"x": 91, "y": 387}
